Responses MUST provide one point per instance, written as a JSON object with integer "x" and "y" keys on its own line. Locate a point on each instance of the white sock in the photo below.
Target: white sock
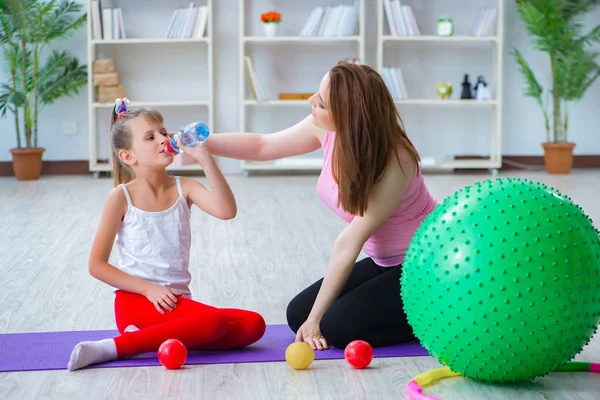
{"x": 86, "y": 353}
{"x": 132, "y": 328}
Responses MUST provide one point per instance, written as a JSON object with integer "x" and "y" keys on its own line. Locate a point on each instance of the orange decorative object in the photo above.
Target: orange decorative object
{"x": 270, "y": 16}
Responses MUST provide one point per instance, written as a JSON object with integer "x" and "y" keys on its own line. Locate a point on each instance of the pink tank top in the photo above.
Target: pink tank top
{"x": 389, "y": 244}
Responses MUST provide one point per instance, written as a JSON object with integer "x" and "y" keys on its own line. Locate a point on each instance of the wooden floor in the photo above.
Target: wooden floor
{"x": 279, "y": 243}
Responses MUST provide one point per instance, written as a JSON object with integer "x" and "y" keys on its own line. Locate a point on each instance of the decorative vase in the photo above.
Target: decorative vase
{"x": 27, "y": 163}
{"x": 271, "y": 29}
{"x": 558, "y": 157}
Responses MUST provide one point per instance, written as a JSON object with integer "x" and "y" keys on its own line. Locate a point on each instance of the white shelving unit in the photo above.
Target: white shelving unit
{"x": 461, "y": 42}
{"x": 146, "y": 46}
{"x": 289, "y": 71}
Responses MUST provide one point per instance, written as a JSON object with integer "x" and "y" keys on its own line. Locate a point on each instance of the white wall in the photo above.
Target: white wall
{"x": 523, "y": 123}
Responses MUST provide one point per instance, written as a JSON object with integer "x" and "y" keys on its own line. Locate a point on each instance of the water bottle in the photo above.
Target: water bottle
{"x": 192, "y": 135}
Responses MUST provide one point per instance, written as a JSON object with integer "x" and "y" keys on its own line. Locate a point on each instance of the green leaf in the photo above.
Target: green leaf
{"x": 533, "y": 88}
{"x": 575, "y": 71}
{"x": 573, "y": 8}
{"x": 9, "y": 99}
{"x": 592, "y": 37}
{"x": 67, "y": 82}
{"x": 53, "y": 67}
{"x": 57, "y": 21}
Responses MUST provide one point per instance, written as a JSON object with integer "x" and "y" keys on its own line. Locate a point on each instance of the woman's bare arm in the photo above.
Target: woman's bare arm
{"x": 302, "y": 138}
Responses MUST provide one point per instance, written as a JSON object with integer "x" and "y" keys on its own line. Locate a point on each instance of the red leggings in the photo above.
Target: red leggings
{"x": 196, "y": 325}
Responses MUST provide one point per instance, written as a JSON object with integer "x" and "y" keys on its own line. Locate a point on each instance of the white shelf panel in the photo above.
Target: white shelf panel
{"x": 315, "y": 163}
{"x": 190, "y": 167}
{"x": 100, "y": 168}
{"x": 433, "y": 38}
{"x": 448, "y": 165}
{"x": 293, "y": 163}
{"x": 149, "y": 40}
{"x": 166, "y": 103}
{"x": 183, "y": 168}
{"x": 279, "y": 39}
{"x": 450, "y": 102}
{"x": 472, "y": 163}
{"x": 277, "y": 103}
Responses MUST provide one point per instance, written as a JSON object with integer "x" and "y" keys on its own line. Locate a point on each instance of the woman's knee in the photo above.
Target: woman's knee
{"x": 297, "y": 311}
{"x": 336, "y": 331}
{"x": 292, "y": 315}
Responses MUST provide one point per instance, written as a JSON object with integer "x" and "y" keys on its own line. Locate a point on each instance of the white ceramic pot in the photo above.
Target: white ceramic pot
{"x": 271, "y": 28}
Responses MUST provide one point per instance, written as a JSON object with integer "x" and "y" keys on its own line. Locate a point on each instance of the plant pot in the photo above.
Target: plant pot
{"x": 271, "y": 28}
{"x": 558, "y": 157}
{"x": 27, "y": 163}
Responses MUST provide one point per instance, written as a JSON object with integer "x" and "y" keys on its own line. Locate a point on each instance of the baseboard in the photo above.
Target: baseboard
{"x": 81, "y": 167}
{"x": 75, "y": 167}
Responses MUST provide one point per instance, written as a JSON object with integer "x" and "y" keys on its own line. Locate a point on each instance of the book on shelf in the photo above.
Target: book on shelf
{"x": 330, "y": 21}
{"x": 107, "y": 23}
{"x": 400, "y": 19}
{"x": 394, "y": 80}
{"x": 484, "y": 22}
{"x": 255, "y": 85}
{"x": 188, "y": 22}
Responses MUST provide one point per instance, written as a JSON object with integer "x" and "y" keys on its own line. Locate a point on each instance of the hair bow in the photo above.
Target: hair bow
{"x": 121, "y": 107}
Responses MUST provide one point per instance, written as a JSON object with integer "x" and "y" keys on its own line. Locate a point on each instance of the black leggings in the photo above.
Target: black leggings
{"x": 369, "y": 308}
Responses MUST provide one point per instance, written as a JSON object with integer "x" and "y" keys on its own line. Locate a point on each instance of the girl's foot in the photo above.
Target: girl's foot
{"x": 86, "y": 353}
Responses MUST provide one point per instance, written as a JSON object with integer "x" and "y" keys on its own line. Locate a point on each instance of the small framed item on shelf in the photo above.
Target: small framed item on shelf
{"x": 445, "y": 27}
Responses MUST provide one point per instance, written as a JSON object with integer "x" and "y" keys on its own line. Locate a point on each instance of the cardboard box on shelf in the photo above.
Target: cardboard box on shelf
{"x": 104, "y": 65}
{"x": 106, "y": 79}
{"x": 108, "y": 94}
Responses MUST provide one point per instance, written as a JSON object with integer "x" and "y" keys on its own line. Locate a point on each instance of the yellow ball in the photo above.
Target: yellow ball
{"x": 299, "y": 355}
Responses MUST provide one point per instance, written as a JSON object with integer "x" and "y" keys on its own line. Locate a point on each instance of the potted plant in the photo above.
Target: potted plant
{"x": 271, "y": 20}
{"x": 26, "y": 28}
{"x": 556, "y": 29}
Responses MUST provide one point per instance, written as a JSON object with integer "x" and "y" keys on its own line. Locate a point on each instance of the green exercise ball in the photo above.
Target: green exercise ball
{"x": 501, "y": 282}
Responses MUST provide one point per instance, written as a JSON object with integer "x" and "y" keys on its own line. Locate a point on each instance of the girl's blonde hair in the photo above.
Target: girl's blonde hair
{"x": 120, "y": 138}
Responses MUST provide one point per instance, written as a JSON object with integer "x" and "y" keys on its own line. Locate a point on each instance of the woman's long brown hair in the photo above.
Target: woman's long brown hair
{"x": 368, "y": 130}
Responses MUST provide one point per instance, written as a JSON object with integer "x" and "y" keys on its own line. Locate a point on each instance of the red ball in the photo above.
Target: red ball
{"x": 359, "y": 354}
{"x": 172, "y": 354}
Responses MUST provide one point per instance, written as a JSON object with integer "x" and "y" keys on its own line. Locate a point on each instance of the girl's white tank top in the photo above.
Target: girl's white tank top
{"x": 155, "y": 246}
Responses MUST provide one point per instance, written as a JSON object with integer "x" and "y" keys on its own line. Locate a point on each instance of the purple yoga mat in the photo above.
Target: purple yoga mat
{"x": 51, "y": 350}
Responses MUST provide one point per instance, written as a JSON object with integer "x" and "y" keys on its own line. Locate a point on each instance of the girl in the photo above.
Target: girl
{"x": 371, "y": 179}
{"x": 149, "y": 213}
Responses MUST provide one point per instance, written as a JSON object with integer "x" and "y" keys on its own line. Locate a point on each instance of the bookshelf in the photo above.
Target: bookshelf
{"x": 292, "y": 61}
{"x": 177, "y": 47}
{"x": 424, "y": 59}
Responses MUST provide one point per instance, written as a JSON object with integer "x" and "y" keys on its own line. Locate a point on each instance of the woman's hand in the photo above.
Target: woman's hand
{"x": 197, "y": 152}
{"x": 310, "y": 332}
{"x": 162, "y": 297}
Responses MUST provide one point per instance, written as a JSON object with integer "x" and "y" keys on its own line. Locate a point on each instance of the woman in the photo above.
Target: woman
{"x": 371, "y": 179}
